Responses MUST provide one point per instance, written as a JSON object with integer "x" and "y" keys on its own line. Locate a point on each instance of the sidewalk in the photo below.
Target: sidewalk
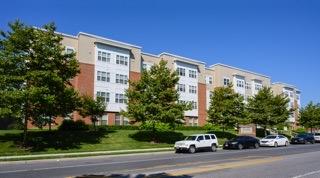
{"x": 79, "y": 154}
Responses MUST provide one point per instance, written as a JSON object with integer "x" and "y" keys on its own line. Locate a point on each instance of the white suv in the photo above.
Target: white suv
{"x": 197, "y": 142}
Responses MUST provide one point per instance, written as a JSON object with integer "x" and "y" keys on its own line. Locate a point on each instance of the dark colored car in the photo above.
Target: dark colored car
{"x": 241, "y": 142}
{"x": 303, "y": 138}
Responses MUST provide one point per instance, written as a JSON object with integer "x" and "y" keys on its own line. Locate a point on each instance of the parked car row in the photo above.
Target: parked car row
{"x": 210, "y": 142}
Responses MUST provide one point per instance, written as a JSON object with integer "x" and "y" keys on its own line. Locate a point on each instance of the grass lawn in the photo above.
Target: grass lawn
{"x": 44, "y": 142}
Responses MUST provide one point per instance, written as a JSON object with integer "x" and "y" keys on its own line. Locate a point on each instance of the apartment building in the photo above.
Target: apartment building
{"x": 293, "y": 93}
{"x": 106, "y": 65}
{"x": 244, "y": 82}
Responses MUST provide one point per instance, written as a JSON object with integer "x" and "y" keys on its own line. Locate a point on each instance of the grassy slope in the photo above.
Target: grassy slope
{"x": 55, "y": 142}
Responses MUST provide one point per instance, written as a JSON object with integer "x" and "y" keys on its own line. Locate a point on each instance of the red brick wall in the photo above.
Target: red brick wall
{"x": 134, "y": 76}
{"x": 111, "y": 118}
{"x": 84, "y": 82}
{"x": 202, "y": 109}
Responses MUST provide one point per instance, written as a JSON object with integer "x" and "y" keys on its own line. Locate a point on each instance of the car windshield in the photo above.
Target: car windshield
{"x": 191, "y": 138}
{"x": 317, "y": 134}
{"x": 270, "y": 137}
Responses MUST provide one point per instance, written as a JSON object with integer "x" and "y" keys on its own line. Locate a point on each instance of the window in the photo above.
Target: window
{"x": 192, "y": 89}
{"x": 193, "y": 121}
{"x": 291, "y": 104}
{"x": 200, "y": 138}
{"x": 69, "y": 50}
{"x": 258, "y": 86}
{"x": 125, "y": 121}
{"x": 117, "y": 119}
{"x": 122, "y": 60}
{"x": 213, "y": 137}
{"x": 298, "y": 97}
{"x": 240, "y": 83}
{"x": 181, "y": 71}
{"x": 286, "y": 93}
{"x": 207, "y": 137}
{"x": 120, "y": 98}
{"x": 123, "y": 79}
{"x": 248, "y": 86}
{"x": 291, "y": 94}
{"x": 103, "y": 56}
{"x": 226, "y": 81}
{"x": 209, "y": 80}
{"x": 144, "y": 66}
{"x": 182, "y": 102}
{"x": 104, "y": 96}
{"x": 192, "y": 74}
{"x": 103, "y": 120}
{"x": 194, "y": 105}
{"x": 182, "y": 87}
{"x": 103, "y": 76}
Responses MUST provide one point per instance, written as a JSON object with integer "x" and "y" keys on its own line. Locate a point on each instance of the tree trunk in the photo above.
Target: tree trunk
{"x": 153, "y": 131}
{"x": 50, "y": 120}
{"x": 94, "y": 124}
{"x": 25, "y": 130}
{"x": 265, "y": 131}
{"x": 223, "y": 132}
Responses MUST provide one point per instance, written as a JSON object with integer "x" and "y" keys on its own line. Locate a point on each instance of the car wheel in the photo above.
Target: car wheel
{"x": 312, "y": 142}
{"x": 286, "y": 144}
{"x": 213, "y": 148}
{"x": 192, "y": 149}
{"x": 240, "y": 146}
{"x": 305, "y": 142}
{"x": 256, "y": 145}
{"x": 177, "y": 151}
{"x": 275, "y": 144}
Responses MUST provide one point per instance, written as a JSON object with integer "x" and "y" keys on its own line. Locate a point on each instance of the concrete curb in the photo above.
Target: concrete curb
{"x": 79, "y": 154}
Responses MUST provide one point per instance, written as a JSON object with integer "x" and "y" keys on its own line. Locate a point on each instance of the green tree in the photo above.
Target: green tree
{"x": 92, "y": 108}
{"x": 154, "y": 99}
{"x": 267, "y": 110}
{"x": 226, "y": 107}
{"x": 35, "y": 73}
{"x": 310, "y": 116}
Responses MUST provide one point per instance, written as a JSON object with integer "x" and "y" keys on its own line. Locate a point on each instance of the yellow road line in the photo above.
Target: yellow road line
{"x": 215, "y": 167}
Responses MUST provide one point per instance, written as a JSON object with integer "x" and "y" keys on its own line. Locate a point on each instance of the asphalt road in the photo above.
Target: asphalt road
{"x": 282, "y": 162}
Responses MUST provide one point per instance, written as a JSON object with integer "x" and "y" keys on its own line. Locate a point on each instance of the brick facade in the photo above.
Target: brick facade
{"x": 202, "y": 109}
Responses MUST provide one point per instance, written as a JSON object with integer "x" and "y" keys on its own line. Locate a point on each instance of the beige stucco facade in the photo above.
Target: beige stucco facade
{"x": 293, "y": 94}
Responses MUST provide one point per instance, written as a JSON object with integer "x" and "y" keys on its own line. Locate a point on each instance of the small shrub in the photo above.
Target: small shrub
{"x": 70, "y": 125}
{"x": 158, "y": 126}
{"x": 116, "y": 127}
{"x": 260, "y": 132}
{"x": 168, "y": 137}
{"x": 300, "y": 130}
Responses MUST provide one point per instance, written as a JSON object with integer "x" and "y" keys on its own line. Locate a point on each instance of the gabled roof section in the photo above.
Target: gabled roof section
{"x": 236, "y": 68}
{"x": 183, "y": 58}
{"x": 107, "y": 39}
{"x": 149, "y": 54}
{"x": 285, "y": 85}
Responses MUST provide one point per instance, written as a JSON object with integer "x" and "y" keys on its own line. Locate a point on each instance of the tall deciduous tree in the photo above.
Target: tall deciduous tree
{"x": 267, "y": 110}
{"x": 154, "y": 98}
{"x": 310, "y": 116}
{"x": 226, "y": 107}
{"x": 92, "y": 108}
{"x": 34, "y": 74}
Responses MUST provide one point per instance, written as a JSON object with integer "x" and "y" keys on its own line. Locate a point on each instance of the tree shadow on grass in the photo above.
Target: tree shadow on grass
{"x": 158, "y": 175}
{"x": 58, "y": 140}
{"x": 168, "y": 137}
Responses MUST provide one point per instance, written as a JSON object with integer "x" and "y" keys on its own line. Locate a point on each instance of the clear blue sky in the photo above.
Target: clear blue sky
{"x": 279, "y": 38}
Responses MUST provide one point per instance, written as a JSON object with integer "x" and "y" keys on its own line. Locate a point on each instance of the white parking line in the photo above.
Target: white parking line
{"x": 307, "y": 174}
